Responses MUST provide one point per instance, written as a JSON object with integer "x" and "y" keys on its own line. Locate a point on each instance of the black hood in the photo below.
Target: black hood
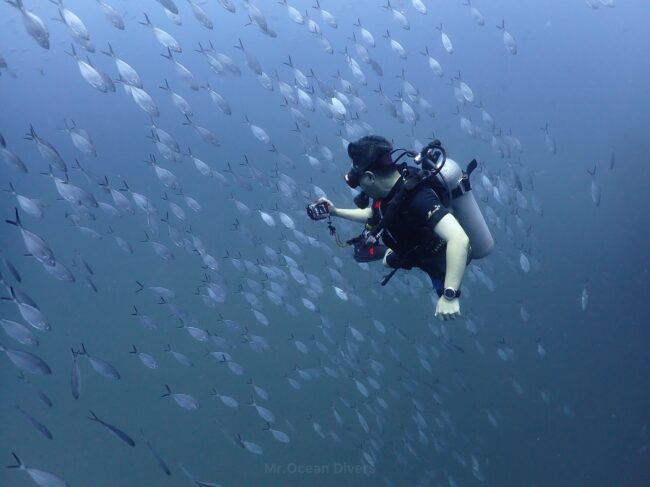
{"x": 368, "y": 150}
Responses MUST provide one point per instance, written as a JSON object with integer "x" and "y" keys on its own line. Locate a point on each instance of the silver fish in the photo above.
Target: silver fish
{"x": 508, "y": 40}
{"x": 263, "y": 412}
{"x": 181, "y": 358}
{"x": 194, "y": 480}
{"x": 27, "y": 362}
{"x": 162, "y": 36}
{"x": 18, "y": 332}
{"x": 185, "y": 74}
{"x": 179, "y": 102}
{"x": 34, "y": 25}
{"x": 112, "y": 15}
{"x": 146, "y": 359}
{"x": 169, "y": 5}
{"x": 185, "y": 401}
{"x": 159, "y": 460}
{"x": 219, "y": 100}
{"x": 249, "y": 445}
{"x": 80, "y": 138}
{"x": 47, "y": 150}
{"x": 227, "y": 400}
{"x": 143, "y": 100}
{"x": 121, "y": 202}
{"x": 88, "y": 72}
{"x": 102, "y": 367}
{"x": 112, "y": 429}
{"x": 36, "y": 246}
{"x": 75, "y": 24}
{"x": 11, "y": 159}
{"x": 228, "y": 5}
{"x": 28, "y": 310}
{"x": 42, "y": 478}
{"x": 40, "y": 427}
{"x": 160, "y": 249}
{"x": 251, "y": 60}
{"x": 12, "y": 270}
{"x": 127, "y": 74}
{"x": 327, "y": 17}
{"x": 281, "y": 436}
{"x": 548, "y": 139}
{"x": 446, "y": 41}
{"x": 595, "y": 188}
{"x": 75, "y": 376}
{"x": 200, "y": 15}
{"x": 205, "y": 134}
{"x": 476, "y": 15}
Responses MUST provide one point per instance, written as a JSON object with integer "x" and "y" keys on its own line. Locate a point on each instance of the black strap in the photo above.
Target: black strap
{"x": 411, "y": 180}
{"x": 464, "y": 184}
{"x": 388, "y": 277}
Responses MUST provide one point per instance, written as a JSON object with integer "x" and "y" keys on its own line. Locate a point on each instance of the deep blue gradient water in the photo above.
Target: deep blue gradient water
{"x": 529, "y": 387}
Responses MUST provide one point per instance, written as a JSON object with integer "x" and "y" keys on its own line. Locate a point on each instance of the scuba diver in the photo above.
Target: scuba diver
{"x": 426, "y": 217}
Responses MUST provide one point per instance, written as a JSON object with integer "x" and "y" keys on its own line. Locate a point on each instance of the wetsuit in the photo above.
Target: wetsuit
{"x": 411, "y": 235}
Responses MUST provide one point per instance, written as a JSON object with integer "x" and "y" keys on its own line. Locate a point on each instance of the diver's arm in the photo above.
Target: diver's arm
{"x": 450, "y": 231}
{"x": 352, "y": 214}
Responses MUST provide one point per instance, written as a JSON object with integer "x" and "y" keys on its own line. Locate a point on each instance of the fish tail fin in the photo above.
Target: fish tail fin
{"x": 135, "y": 350}
{"x": 147, "y": 22}
{"x": 110, "y": 52}
{"x": 93, "y": 416}
{"x": 19, "y": 463}
{"x": 61, "y": 17}
{"x": 15, "y": 222}
{"x": 73, "y": 53}
{"x": 168, "y": 393}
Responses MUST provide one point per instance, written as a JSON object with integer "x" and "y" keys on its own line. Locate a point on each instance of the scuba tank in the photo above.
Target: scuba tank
{"x": 459, "y": 197}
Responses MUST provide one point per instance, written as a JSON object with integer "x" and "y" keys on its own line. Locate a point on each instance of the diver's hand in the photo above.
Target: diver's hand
{"x": 448, "y": 310}
{"x": 330, "y": 206}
